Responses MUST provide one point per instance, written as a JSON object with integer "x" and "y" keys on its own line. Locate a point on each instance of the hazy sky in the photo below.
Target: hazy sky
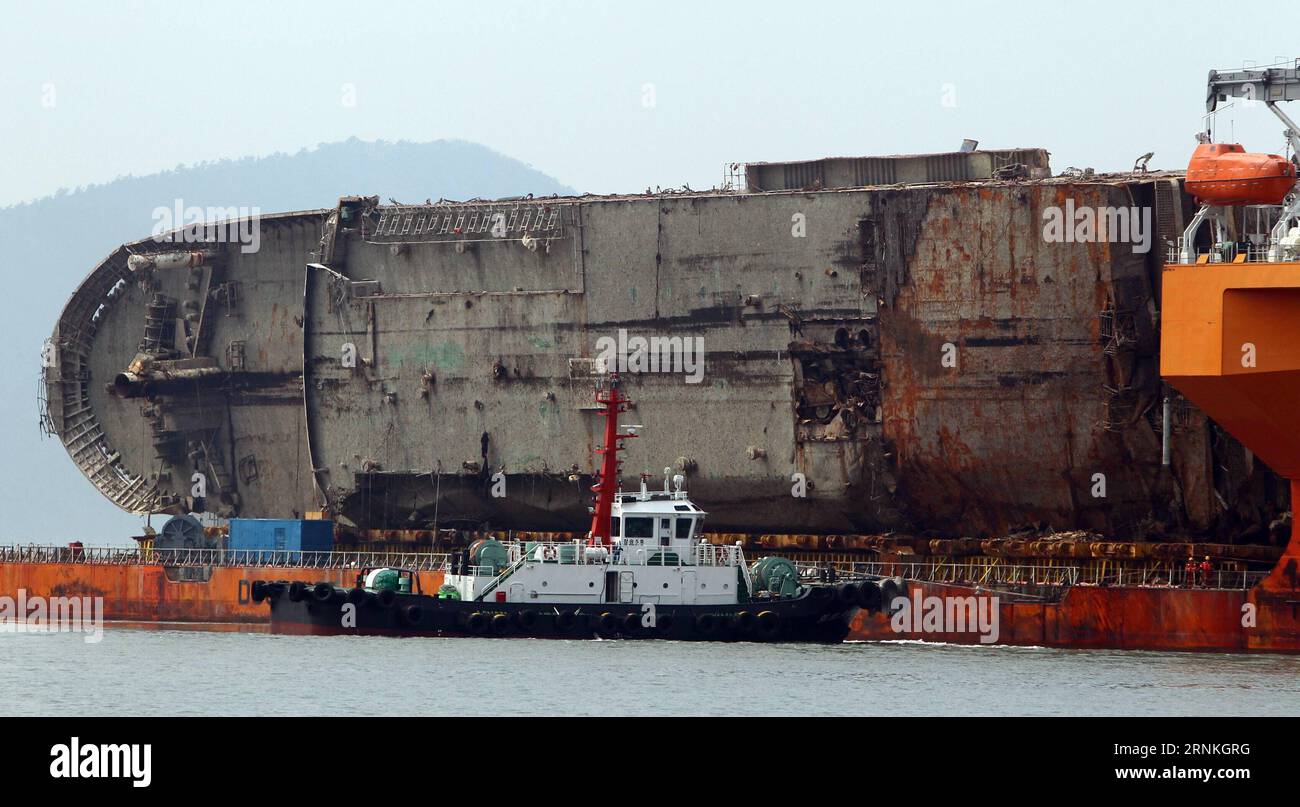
{"x": 612, "y": 96}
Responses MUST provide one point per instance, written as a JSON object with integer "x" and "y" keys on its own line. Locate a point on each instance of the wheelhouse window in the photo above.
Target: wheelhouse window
{"x": 614, "y": 525}
{"x": 684, "y": 527}
{"x": 638, "y": 527}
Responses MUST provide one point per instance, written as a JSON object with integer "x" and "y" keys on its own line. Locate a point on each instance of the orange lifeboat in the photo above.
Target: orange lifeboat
{"x": 1225, "y": 174}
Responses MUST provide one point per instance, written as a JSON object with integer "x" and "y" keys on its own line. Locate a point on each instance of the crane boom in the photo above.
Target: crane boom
{"x": 1271, "y": 85}
{"x": 1268, "y": 84}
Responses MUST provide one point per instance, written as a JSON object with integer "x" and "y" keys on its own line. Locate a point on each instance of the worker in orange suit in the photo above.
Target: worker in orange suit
{"x": 1206, "y": 568}
{"x": 1189, "y": 571}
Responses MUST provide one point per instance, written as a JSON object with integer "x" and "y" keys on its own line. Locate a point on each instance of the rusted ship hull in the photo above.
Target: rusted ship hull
{"x": 1264, "y": 617}
{"x": 388, "y": 362}
{"x": 1113, "y": 619}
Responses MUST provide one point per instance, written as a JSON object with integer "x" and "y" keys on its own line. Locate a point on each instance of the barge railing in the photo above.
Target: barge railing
{"x": 287, "y": 559}
{"x": 1051, "y": 576}
{"x": 1154, "y": 575}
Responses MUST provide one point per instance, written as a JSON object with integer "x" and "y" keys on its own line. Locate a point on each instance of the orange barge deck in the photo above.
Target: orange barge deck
{"x": 1125, "y": 618}
{"x": 1262, "y": 618}
{"x": 153, "y": 592}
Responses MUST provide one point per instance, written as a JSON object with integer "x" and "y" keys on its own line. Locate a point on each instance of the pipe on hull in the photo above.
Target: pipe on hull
{"x": 134, "y": 385}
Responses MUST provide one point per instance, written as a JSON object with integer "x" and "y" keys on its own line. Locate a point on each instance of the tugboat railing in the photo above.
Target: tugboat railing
{"x": 499, "y": 579}
{"x": 629, "y": 552}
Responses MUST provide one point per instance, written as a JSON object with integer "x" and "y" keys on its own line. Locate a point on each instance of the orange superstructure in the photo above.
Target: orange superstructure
{"x": 1230, "y": 342}
{"x": 1230, "y": 319}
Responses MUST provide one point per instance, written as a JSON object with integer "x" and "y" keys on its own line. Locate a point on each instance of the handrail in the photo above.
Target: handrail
{"x": 628, "y": 552}
{"x": 972, "y": 574}
{"x": 634, "y": 553}
{"x": 1255, "y": 254}
{"x": 180, "y": 557}
{"x": 499, "y": 579}
{"x": 1037, "y": 575}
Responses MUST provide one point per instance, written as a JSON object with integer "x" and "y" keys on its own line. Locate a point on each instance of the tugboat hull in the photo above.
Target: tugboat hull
{"x": 818, "y": 614}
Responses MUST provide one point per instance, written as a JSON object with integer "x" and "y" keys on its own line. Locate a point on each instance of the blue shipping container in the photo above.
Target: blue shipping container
{"x": 254, "y": 537}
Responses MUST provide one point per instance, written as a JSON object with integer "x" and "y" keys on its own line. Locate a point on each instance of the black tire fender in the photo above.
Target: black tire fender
{"x": 869, "y": 595}
{"x": 607, "y": 624}
{"x": 768, "y": 624}
{"x": 412, "y": 615}
{"x": 745, "y": 621}
{"x": 889, "y": 590}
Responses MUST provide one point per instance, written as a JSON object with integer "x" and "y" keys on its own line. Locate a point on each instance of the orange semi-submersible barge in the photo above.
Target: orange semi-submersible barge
{"x": 895, "y": 453}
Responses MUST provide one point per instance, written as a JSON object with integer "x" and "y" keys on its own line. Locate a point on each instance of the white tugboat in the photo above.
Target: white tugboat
{"x": 643, "y": 571}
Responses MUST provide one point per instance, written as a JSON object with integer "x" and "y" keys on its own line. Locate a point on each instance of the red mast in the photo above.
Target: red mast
{"x": 614, "y": 401}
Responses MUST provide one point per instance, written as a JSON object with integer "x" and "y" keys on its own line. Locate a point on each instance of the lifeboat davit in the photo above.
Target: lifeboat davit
{"x": 1225, "y": 174}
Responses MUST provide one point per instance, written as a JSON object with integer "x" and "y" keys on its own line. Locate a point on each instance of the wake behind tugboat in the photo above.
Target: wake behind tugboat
{"x": 642, "y": 573}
